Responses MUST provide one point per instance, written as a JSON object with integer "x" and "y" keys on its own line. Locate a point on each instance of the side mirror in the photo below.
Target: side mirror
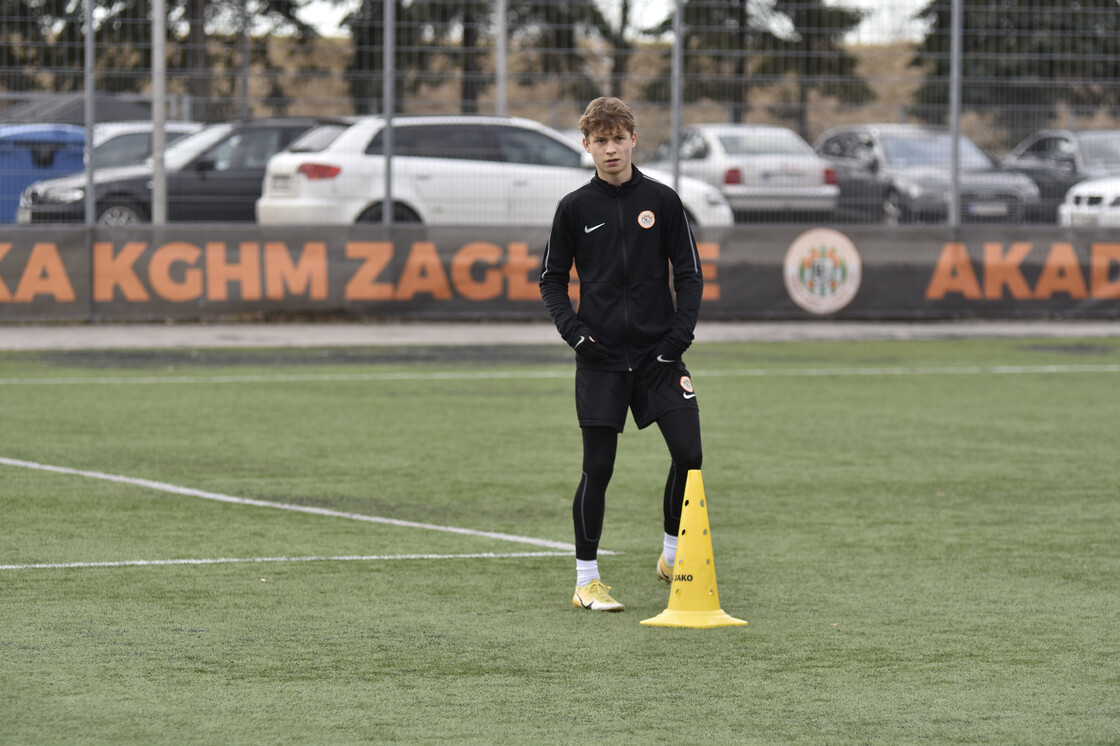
{"x": 206, "y": 164}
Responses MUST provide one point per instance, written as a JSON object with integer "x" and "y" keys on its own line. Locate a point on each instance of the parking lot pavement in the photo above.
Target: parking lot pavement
{"x": 119, "y": 336}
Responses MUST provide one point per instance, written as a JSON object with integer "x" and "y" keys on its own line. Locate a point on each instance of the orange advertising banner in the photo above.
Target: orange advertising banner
{"x": 751, "y": 272}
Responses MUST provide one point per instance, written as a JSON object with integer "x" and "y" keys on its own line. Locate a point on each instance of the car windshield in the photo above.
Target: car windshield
{"x": 1101, "y": 149}
{"x": 764, "y": 142}
{"x": 182, "y": 151}
{"x": 932, "y": 149}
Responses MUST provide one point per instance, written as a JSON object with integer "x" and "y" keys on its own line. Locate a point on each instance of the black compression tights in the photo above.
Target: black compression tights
{"x": 681, "y": 430}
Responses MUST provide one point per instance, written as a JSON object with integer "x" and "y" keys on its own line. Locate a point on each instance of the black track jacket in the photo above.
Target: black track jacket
{"x": 622, "y": 240}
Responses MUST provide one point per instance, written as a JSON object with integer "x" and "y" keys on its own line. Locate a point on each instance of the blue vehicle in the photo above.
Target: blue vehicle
{"x": 32, "y": 152}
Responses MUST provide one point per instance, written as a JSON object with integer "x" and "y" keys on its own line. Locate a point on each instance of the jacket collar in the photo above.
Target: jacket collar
{"x": 635, "y": 178}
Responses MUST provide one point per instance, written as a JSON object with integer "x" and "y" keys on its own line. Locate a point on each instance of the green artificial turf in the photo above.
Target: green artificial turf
{"x": 922, "y": 536}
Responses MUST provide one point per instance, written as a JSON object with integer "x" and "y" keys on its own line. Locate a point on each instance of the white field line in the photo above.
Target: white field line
{"x": 251, "y": 560}
{"x": 963, "y": 370}
{"x": 191, "y": 492}
{"x": 302, "y": 378}
{"x": 970, "y": 370}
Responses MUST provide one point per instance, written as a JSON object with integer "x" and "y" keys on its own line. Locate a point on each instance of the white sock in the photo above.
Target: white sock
{"x": 586, "y": 571}
{"x": 669, "y": 549}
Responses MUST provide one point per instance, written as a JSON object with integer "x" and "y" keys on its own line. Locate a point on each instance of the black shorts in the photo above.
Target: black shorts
{"x": 603, "y": 396}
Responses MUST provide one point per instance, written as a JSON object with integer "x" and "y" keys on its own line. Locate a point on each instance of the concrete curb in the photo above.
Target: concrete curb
{"x": 131, "y": 336}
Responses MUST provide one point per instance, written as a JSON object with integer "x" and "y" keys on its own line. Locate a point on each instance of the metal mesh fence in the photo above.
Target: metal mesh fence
{"x": 829, "y": 72}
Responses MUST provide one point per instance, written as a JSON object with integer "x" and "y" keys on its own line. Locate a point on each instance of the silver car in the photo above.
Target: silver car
{"x": 762, "y": 170}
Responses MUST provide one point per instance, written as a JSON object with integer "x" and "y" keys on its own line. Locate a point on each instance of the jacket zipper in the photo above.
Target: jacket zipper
{"x": 625, "y": 278}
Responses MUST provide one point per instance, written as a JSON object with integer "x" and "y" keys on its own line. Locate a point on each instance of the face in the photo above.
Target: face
{"x": 612, "y": 153}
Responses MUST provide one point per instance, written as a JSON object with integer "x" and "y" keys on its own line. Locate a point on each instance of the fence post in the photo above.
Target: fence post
{"x": 955, "y": 116}
{"x": 90, "y": 109}
{"x": 677, "y": 95}
{"x": 159, "y": 111}
{"x": 501, "y": 73}
{"x": 388, "y": 93}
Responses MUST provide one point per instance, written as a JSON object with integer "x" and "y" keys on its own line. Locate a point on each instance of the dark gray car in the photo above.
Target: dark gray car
{"x": 1058, "y": 159}
{"x": 213, "y": 175}
{"x": 897, "y": 173}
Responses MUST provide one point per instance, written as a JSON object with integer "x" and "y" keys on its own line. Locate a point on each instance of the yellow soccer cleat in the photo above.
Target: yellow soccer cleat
{"x": 594, "y": 597}
{"x": 664, "y": 572}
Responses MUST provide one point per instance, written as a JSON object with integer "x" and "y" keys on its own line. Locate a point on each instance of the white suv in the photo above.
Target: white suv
{"x": 447, "y": 170}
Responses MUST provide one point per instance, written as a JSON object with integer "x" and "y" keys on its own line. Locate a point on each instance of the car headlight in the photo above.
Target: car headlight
{"x": 913, "y": 189}
{"x": 62, "y": 195}
{"x": 715, "y": 197}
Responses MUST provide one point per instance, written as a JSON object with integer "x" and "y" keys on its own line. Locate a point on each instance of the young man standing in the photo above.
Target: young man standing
{"x": 632, "y": 247}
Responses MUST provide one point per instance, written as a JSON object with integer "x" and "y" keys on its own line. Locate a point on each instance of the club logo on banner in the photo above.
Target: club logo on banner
{"x": 822, "y": 271}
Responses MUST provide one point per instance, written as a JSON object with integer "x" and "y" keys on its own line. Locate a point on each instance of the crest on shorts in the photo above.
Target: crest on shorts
{"x": 686, "y": 384}
{"x": 646, "y": 218}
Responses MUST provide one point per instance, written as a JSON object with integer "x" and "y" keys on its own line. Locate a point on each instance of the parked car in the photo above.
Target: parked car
{"x": 1091, "y": 204}
{"x": 1058, "y": 159}
{"x": 897, "y": 173}
{"x": 30, "y": 152}
{"x": 213, "y": 175}
{"x": 573, "y": 135}
{"x": 447, "y": 170}
{"x": 130, "y": 143}
{"x": 761, "y": 169}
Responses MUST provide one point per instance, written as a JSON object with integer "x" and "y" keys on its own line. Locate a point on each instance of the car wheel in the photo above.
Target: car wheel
{"x": 122, "y": 214}
{"x": 401, "y": 214}
{"x": 892, "y": 209}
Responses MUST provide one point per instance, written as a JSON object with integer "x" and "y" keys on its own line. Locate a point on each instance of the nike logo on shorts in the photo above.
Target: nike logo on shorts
{"x": 689, "y": 396}
{"x": 588, "y": 229}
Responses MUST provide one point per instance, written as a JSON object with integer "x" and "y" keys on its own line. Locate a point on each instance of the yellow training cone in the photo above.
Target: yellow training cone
{"x": 694, "y": 598}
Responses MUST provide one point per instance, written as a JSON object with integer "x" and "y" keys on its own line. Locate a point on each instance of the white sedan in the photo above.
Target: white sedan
{"x": 447, "y": 170}
{"x": 1091, "y": 204}
{"x": 760, "y": 168}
